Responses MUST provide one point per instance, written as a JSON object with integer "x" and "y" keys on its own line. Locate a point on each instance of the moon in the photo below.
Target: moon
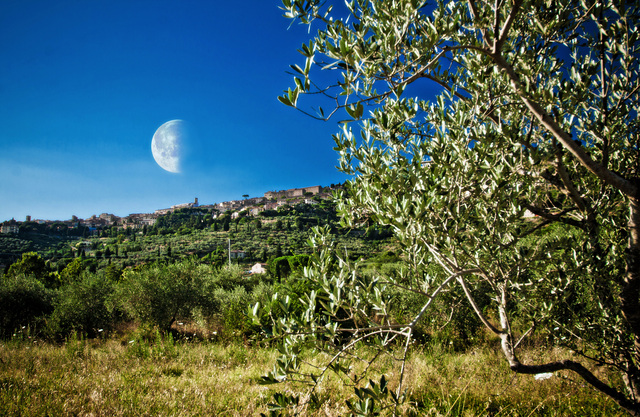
{"x": 168, "y": 145}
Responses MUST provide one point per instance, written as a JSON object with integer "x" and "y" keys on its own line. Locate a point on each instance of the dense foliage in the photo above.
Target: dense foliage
{"x": 203, "y": 233}
{"x": 176, "y": 271}
{"x": 472, "y": 117}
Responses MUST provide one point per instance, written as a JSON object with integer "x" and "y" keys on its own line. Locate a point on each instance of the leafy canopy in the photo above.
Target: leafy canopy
{"x": 499, "y": 141}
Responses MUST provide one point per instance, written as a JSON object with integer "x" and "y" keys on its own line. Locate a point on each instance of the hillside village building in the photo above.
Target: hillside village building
{"x": 187, "y": 205}
{"x": 271, "y": 200}
{"x": 293, "y": 192}
{"x": 110, "y": 218}
{"x": 10, "y": 227}
{"x": 177, "y": 207}
{"x": 139, "y": 220}
{"x": 96, "y": 222}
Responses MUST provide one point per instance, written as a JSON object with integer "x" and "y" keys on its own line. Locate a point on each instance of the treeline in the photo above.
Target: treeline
{"x": 54, "y": 305}
{"x": 44, "y": 303}
{"x": 176, "y": 270}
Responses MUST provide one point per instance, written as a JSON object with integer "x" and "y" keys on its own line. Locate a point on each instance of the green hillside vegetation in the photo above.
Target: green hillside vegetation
{"x": 62, "y": 284}
{"x": 183, "y": 327}
{"x": 193, "y": 232}
{"x": 499, "y": 142}
{"x": 147, "y": 303}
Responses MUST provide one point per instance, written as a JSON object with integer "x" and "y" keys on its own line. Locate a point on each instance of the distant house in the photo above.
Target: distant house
{"x": 271, "y": 205}
{"x": 109, "y": 218}
{"x": 139, "y": 220}
{"x": 148, "y": 221}
{"x": 259, "y": 269}
{"x": 10, "y": 227}
{"x": 293, "y": 192}
{"x": 237, "y": 254}
{"x": 256, "y": 210}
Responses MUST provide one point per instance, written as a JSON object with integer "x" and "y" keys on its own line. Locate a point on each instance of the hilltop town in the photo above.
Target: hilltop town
{"x": 248, "y": 206}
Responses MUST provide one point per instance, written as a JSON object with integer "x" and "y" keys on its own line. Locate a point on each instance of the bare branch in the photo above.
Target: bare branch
{"x": 583, "y": 372}
{"x": 496, "y": 24}
{"x": 524, "y": 336}
{"x": 477, "y": 310}
{"x": 558, "y": 217}
{"x": 343, "y": 350}
{"x": 437, "y": 291}
{"x": 404, "y": 361}
{"x": 568, "y": 184}
{"x": 630, "y": 294}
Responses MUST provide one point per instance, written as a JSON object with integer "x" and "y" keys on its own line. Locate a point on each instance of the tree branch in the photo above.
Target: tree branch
{"x": 632, "y": 407}
{"x": 611, "y": 178}
{"x": 477, "y": 310}
{"x": 504, "y": 33}
{"x": 630, "y": 294}
{"x": 437, "y": 291}
{"x": 474, "y": 16}
{"x": 568, "y": 185}
{"x": 555, "y": 217}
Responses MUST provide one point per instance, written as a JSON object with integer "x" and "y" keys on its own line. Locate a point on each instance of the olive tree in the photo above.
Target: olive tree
{"x": 499, "y": 141}
{"x": 159, "y": 295}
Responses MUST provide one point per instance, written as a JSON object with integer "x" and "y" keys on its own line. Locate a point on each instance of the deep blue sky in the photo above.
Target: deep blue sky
{"x": 85, "y": 84}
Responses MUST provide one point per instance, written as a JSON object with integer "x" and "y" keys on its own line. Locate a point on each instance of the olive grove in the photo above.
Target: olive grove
{"x": 499, "y": 141}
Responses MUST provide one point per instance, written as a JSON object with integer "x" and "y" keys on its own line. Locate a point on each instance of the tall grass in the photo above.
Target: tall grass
{"x": 480, "y": 383}
{"x": 158, "y": 376}
{"x": 139, "y": 378}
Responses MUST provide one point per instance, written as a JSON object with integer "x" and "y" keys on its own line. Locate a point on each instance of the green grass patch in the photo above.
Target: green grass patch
{"x": 161, "y": 377}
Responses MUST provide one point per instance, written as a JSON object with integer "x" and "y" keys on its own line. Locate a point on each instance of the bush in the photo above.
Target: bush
{"x": 32, "y": 264}
{"x": 233, "y": 305}
{"x": 158, "y": 295}
{"x": 279, "y": 267}
{"x": 84, "y": 306}
{"x": 297, "y": 263}
{"x": 227, "y": 277}
{"x": 24, "y": 301}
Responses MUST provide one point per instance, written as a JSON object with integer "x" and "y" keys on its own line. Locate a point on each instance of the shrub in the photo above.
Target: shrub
{"x": 297, "y": 263}
{"x": 24, "y": 301}
{"x": 84, "y": 306}
{"x": 32, "y": 264}
{"x": 279, "y": 267}
{"x": 157, "y": 295}
{"x": 227, "y": 277}
{"x": 233, "y": 305}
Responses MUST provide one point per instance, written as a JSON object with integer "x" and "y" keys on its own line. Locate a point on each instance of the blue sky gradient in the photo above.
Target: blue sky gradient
{"x": 85, "y": 84}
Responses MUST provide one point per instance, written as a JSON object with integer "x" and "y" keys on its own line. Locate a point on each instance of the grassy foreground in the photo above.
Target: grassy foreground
{"x": 164, "y": 378}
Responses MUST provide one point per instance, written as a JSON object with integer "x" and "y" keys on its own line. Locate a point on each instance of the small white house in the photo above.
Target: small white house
{"x": 259, "y": 269}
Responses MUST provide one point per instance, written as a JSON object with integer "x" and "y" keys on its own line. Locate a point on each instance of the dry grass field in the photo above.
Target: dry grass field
{"x": 160, "y": 377}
